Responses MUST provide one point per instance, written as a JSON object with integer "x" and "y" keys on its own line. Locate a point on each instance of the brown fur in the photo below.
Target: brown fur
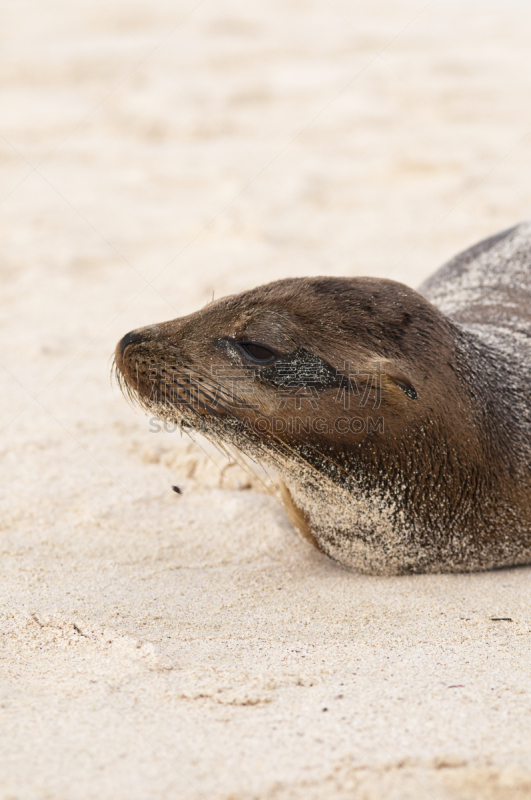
{"x": 445, "y": 485}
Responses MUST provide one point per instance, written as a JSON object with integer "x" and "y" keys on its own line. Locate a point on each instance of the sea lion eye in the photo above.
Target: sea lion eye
{"x": 257, "y": 352}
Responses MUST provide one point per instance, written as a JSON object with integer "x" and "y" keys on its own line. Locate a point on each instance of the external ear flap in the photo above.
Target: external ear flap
{"x": 406, "y": 386}
{"x": 400, "y": 379}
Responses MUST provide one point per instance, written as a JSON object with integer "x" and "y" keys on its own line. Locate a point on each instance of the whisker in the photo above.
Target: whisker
{"x": 213, "y": 403}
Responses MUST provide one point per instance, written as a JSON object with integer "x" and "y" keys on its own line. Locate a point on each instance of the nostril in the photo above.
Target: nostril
{"x": 129, "y": 338}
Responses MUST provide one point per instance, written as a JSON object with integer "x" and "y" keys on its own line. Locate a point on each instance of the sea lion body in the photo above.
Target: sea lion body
{"x": 398, "y": 421}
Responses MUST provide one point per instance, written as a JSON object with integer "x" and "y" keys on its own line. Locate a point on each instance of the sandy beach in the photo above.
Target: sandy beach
{"x": 157, "y": 645}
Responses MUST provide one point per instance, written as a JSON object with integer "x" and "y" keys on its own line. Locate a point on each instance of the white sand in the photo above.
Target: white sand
{"x": 164, "y": 646}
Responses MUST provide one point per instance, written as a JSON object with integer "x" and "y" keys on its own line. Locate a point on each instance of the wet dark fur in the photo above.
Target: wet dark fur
{"x": 446, "y": 486}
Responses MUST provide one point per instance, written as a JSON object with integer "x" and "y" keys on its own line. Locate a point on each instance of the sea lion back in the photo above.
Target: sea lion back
{"x": 487, "y": 288}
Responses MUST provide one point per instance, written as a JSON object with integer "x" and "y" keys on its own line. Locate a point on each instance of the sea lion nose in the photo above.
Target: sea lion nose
{"x": 129, "y": 338}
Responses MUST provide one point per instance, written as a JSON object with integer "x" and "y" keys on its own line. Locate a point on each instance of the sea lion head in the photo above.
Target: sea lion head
{"x": 351, "y": 381}
{"x": 319, "y": 362}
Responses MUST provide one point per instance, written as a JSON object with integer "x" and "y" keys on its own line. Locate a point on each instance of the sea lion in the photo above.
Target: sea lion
{"x": 398, "y": 420}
